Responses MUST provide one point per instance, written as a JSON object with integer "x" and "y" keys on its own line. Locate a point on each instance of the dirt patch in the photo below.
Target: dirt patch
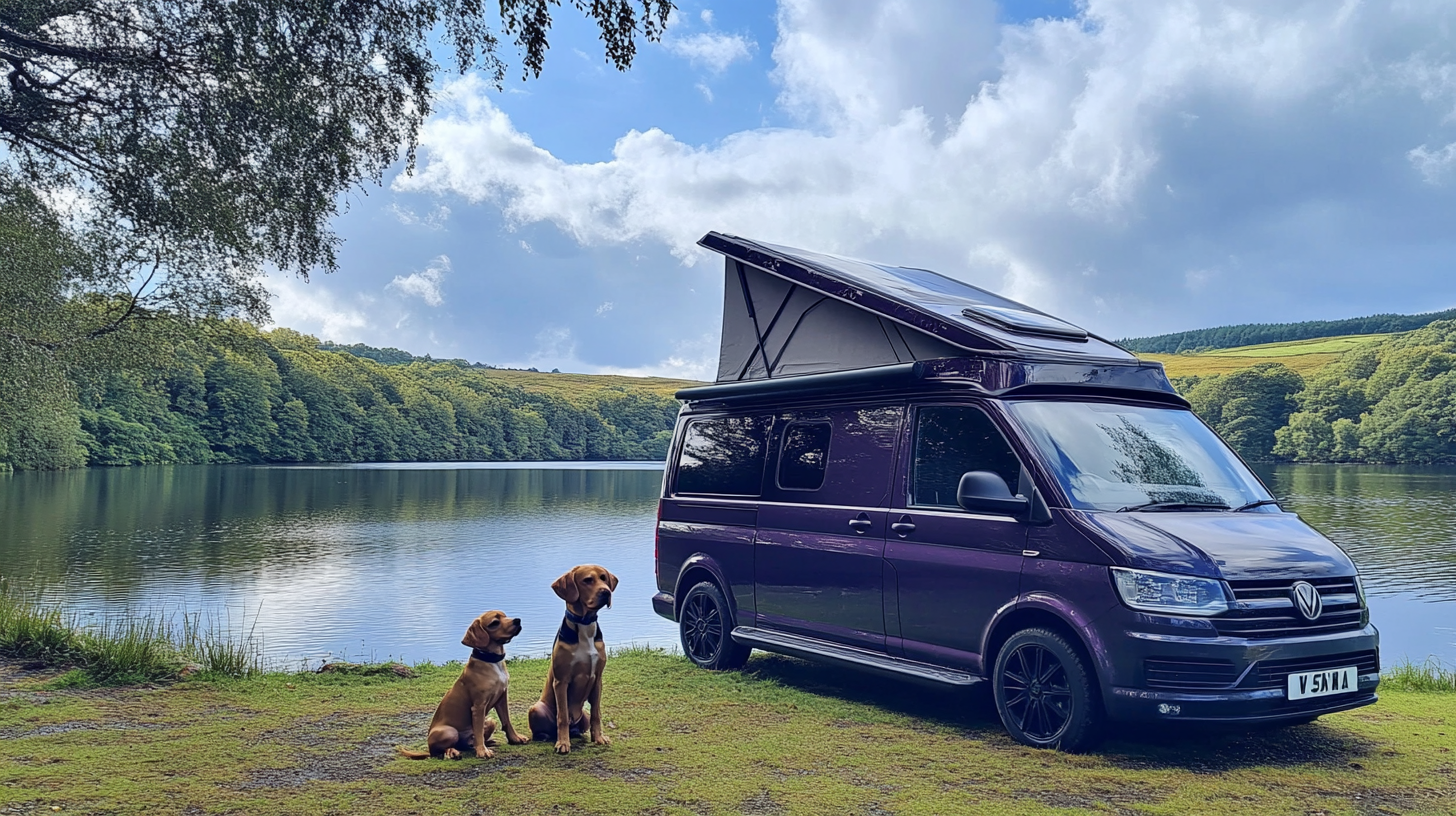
{"x": 66, "y": 727}
{"x": 1114, "y": 801}
{"x": 760, "y": 805}
{"x": 600, "y": 770}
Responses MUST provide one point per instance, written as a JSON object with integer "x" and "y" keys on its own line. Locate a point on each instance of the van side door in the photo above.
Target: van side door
{"x": 818, "y": 558}
{"x": 953, "y": 569}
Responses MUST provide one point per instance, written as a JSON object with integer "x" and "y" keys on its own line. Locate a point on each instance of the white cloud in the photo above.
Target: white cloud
{"x": 424, "y": 285}
{"x": 433, "y": 220}
{"x": 605, "y": 307}
{"x": 711, "y": 50}
{"x": 1434, "y": 165}
{"x": 706, "y": 15}
{"x": 694, "y": 359}
{"x": 1018, "y": 156}
{"x": 705, "y": 91}
{"x": 310, "y": 307}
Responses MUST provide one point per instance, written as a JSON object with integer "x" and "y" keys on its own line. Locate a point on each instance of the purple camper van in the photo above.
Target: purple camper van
{"x": 904, "y": 474}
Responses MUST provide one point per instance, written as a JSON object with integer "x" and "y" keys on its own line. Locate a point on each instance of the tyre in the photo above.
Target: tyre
{"x": 1045, "y": 692}
{"x": 704, "y": 624}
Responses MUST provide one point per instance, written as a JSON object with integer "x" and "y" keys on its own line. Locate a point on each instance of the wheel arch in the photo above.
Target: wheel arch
{"x": 701, "y": 567}
{"x": 1047, "y": 612}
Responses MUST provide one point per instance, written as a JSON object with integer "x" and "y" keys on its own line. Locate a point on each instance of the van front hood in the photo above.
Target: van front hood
{"x": 1221, "y": 545}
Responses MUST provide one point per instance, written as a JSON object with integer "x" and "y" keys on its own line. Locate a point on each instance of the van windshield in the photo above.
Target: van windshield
{"x": 1124, "y": 457}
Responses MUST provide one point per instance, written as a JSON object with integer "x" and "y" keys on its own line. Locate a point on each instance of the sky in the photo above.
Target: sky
{"x": 1134, "y": 167}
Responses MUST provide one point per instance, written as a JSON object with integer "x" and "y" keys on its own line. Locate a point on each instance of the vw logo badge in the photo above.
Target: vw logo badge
{"x": 1307, "y": 600}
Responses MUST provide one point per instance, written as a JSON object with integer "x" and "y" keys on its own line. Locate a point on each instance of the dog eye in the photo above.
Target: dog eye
{"x": 494, "y": 624}
{"x": 589, "y": 579}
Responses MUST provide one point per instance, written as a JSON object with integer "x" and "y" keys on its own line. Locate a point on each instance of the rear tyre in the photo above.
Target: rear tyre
{"x": 704, "y": 624}
{"x": 1045, "y": 693}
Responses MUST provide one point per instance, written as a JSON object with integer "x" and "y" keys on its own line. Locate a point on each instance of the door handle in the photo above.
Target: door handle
{"x": 903, "y": 527}
{"x": 861, "y": 523}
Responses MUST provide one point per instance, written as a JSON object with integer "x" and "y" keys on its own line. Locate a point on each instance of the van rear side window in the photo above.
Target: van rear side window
{"x": 805, "y": 455}
{"x": 723, "y": 457}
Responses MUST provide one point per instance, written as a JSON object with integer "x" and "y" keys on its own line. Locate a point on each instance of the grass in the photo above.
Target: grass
{"x": 1428, "y": 676}
{"x": 576, "y": 386}
{"x": 122, "y": 649}
{"x": 1304, "y": 356}
{"x": 780, "y": 737}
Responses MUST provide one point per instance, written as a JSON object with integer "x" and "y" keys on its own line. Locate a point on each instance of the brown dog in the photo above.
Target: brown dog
{"x": 460, "y": 721}
{"x": 578, "y": 659}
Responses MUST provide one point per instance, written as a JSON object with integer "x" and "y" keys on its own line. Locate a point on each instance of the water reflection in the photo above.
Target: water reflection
{"x": 1399, "y": 525}
{"x": 396, "y": 560}
{"x": 387, "y": 561}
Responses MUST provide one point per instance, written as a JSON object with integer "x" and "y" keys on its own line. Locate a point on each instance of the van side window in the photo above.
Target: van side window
{"x": 950, "y": 441}
{"x": 805, "y": 455}
{"x": 723, "y": 456}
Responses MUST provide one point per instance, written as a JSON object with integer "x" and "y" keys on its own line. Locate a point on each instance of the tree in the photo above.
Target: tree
{"x": 201, "y": 139}
{"x": 1248, "y": 406}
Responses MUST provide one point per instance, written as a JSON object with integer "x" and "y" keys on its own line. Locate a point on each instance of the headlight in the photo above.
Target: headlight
{"x": 1171, "y": 594}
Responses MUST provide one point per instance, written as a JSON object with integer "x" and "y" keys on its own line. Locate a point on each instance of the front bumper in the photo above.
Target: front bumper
{"x": 1160, "y": 676}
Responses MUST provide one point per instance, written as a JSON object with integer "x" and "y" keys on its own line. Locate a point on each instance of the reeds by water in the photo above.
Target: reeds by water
{"x": 1428, "y": 676}
{"x": 124, "y": 649}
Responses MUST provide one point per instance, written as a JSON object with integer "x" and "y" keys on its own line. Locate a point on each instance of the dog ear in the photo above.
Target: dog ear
{"x": 611, "y": 582}
{"x": 477, "y": 636}
{"x": 565, "y": 587}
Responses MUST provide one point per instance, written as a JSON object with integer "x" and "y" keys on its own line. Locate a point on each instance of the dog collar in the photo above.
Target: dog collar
{"x": 580, "y": 620}
{"x": 567, "y": 633}
{"x": 489, "y": 657}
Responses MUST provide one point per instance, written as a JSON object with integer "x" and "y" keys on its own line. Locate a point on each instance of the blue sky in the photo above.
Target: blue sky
{"x": 1134, "y": 167}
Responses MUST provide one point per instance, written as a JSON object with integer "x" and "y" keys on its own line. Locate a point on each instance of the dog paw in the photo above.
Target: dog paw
{"x": 563, "y": 746}
{"x": 601, "y": 739}
{"x": 484, "y": 753}
{"x": 451, "y": 753}
{"x": 517, "y": 739}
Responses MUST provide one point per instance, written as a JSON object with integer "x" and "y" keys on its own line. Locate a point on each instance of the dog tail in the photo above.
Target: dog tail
{"x": 408, "y": 754}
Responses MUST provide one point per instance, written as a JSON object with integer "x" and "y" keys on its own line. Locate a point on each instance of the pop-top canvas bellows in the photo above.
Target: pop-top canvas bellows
{"x": 789, "y": 312}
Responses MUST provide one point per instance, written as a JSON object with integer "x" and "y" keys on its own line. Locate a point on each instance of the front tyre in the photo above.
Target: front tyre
{"x": 1045, "y": 693}
{"x": 704, "y": 625}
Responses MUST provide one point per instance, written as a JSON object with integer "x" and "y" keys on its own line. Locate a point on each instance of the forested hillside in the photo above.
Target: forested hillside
{"x": 1391, "y": 400}
{"x": 237, "y": 394}
{"x": 1250, "y": 334}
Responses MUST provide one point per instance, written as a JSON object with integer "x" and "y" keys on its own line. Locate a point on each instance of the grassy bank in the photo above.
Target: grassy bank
{"x": 125, "y": 649}
{"x": 781, "y": 737}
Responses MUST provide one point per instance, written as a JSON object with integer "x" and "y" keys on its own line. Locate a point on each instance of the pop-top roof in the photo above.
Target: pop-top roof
{"x": 789, "y": 311}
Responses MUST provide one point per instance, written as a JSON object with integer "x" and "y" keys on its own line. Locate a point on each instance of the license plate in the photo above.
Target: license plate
{"x": 1323, "y": 683}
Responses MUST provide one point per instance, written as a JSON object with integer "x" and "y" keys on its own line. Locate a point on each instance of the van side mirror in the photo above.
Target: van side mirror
{"x": 984, "y": 491}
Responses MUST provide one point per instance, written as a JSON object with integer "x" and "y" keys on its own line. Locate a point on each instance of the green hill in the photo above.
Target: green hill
{"x": 233, "y": 393}
{"x": 1250, "y": 334}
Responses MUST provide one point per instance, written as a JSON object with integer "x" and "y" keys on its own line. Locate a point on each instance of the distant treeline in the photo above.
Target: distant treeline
{"x": 239, "y": 394}
{"x": 1252, "y": 334}
{"x": 1389, "y": 401}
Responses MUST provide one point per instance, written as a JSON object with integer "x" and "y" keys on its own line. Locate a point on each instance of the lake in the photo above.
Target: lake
{"x": 393, "y": 561}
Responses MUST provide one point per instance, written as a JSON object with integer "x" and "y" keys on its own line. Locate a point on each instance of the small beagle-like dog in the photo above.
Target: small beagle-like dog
{"x": 460, "y": 722}
{"x": 578, "y": 659}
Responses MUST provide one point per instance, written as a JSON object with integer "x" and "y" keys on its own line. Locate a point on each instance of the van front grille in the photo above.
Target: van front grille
{"x": 1189, "y": 675}
{"x": 1275, "y": 673}
{"x": 1265, "y": 609}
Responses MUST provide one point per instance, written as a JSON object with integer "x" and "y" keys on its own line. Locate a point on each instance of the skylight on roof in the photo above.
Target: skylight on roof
{"x": 1024, "y": 322}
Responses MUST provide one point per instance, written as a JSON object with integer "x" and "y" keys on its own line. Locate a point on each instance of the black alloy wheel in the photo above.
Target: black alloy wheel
{"x": 704, "y": 626}
{"x": 1044, "y": 693}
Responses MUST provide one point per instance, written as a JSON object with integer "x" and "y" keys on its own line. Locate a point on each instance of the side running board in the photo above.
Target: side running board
{"x": 822, "y": 650}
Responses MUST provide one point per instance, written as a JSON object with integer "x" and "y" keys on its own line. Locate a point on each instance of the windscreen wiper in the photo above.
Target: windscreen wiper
{"x": 1173, "y": 505}
{"x": 1260, "y": 503}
